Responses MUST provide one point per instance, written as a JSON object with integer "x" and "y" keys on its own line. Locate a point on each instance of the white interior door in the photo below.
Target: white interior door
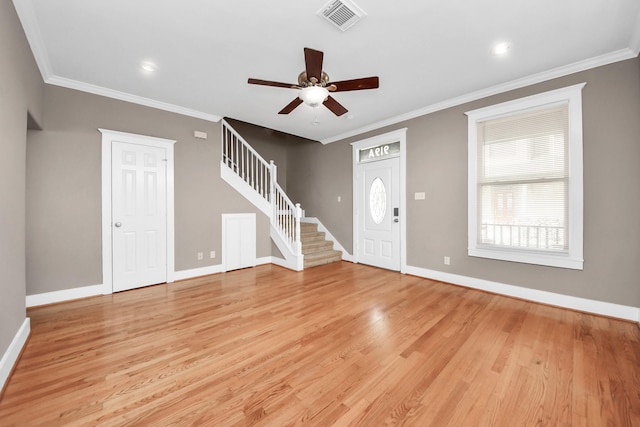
{"x": 378, "y": 213}
{"x": 139, "y": 215}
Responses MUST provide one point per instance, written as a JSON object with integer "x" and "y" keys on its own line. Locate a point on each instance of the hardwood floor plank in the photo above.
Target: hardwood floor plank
{"x": 341, "y": 344}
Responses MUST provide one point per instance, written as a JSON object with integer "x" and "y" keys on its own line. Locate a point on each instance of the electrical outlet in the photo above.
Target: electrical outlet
{"x": 200, "y": 256}
{"x": 212, "y": 254}
{"x": 447, "y": 260}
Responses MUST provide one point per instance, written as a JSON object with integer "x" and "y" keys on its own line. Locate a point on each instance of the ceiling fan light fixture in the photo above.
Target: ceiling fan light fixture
{"x": 313, "y": 95}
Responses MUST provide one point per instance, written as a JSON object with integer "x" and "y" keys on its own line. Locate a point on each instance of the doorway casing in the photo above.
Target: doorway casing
{"x": 399, "y": 135}
{"x": 109, "y": 136}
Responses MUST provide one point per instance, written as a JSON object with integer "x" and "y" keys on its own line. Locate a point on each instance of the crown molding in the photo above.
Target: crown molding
{"x": 27, "y": 16}
{"x": 135, "y": 99}
{"x": 634, "y": 43}
{"x": 619, "y": 55}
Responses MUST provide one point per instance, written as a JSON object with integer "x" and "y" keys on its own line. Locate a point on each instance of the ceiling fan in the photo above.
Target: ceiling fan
{"x": 314, "y": 85}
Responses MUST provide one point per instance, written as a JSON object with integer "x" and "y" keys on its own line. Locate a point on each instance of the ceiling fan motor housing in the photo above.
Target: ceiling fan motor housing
{"x": 305, "y": 82}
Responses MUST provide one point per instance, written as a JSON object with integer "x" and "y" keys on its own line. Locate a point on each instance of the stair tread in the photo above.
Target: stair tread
{"x": 311, "y": 237}
{"x": 317, "y": 242}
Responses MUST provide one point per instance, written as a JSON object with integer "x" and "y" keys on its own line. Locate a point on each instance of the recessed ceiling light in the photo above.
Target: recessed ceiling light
{"x": 500, "y": 48}
{"x": 148, "y": 66}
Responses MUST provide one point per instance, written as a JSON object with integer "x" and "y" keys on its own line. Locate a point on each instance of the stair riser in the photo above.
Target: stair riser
{"x": 323, "y": 261}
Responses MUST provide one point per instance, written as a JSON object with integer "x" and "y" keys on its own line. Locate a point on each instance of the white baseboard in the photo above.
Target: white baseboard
{"x": 66, "y": 295}
{"x": 550, "y": 298}
{"x": 337, "y": 246}
{"x": 197, "y": 272}
{"x": 212, "y": 269}
{"x": 264, "y": 260}
{"x": 10, "y": 357}
{"x": 91, "y": 291}
{"x": 288, "y": 264}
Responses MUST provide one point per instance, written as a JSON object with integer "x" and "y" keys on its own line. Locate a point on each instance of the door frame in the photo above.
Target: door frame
{"x": 108, "y": 137}
{"x": 399, "y": 135}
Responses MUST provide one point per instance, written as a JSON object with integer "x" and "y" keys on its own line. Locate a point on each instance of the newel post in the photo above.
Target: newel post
{"x": 272, "y": 188}
{"x": 298, "y": 215}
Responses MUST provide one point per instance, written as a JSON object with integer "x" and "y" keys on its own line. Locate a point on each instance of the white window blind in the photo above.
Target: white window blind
{"x": 522, "y": 180}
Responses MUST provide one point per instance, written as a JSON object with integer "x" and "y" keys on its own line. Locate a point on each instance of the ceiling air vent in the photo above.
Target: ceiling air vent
{"x": 342, "y": 13}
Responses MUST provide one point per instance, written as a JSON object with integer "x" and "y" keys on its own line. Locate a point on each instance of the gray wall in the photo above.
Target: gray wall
{"x": 317, "y": 175}
{"x": 64, "y": 188}
{"x": 20, "y": 92}
{"x": 437, "y": 165}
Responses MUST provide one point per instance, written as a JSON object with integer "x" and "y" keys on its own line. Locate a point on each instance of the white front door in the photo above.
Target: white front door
{"x": 139, "y": 215}
{"x": 378, "y": 203}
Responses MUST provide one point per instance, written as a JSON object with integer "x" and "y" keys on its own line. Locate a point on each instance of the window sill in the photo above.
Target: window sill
{"x": 561, "y": 260}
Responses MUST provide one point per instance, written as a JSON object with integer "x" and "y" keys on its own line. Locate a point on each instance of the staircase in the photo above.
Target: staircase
{"x": 300, "y": 243}
{"x": 317, "y": 250}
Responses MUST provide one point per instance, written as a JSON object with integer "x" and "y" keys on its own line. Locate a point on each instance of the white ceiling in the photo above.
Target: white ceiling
{"x": 429, "y": 54}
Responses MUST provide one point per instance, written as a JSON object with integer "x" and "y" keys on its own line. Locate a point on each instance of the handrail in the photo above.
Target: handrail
{"x": 261, "y": 176}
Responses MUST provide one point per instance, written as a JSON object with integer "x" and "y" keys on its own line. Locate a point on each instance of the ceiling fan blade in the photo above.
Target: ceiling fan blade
{"x": 335, "y": 107}
{"x": 291, "y": 106}
{"x": 355, "y": 84}
{"x": 313, "y": 61}
{"x": 270, "y": 83}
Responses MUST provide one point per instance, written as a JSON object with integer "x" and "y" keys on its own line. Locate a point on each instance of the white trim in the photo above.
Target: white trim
{"x": 239, "y": 184}
{"x": 127, "y": 97}
{"x": 67, "y": 295}
{"x": 28, "y": 19}
{"x": 108, "y": 136}
{"x": 209, "y": 270}
{"x": 634, "y": 43}
{"x": 290, "y": 260}
{"x": 29, "y": 22}
{"x": 337, "y": 246}
{"x": 264, "y": 260}
{"x": 572, "y": 95}
{"x": 27, "y": 16}
{"x": 295, "y": 263}
{"x": 197, "y": 272}
{"x": 587, "y": 64}
{"x": 544, "y": 297}
{"x": 10, "y": 357}
{"x": 393, "y": 136}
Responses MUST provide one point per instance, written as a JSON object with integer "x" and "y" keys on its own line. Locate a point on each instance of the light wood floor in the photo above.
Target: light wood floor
{"x": 340, "y": 344}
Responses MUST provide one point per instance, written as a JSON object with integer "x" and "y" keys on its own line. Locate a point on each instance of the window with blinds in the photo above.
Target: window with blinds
{"x": 525, "y": 187}
{"x": 522, "y": 180}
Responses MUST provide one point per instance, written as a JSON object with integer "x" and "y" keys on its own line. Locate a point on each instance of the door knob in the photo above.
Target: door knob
{"x": 118, "y": 224}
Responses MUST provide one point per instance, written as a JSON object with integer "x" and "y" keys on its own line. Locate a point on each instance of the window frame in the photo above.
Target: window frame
{"x": 573, "y": 257}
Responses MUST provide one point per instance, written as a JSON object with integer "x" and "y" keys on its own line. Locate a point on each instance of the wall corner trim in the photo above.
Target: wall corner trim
{"x": 11, "y": 356}
{"x": 534, "y": 295}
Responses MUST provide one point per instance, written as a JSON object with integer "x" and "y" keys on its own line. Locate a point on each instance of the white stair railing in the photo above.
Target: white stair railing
{"x": 261, "y": 176}
{"x": 287, "y": 216}
{"x": 246, "y": 163}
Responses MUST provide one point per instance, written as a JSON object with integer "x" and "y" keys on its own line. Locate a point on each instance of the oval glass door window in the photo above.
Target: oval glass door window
{"x": 377, "y": 200}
